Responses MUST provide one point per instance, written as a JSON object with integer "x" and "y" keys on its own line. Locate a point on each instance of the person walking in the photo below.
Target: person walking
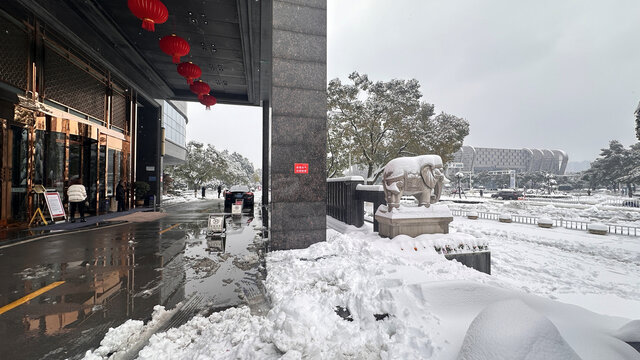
{"x": 204, "y": 189}
{"x": 219, "y": 190}
{"x": 120, "y": 196}
{"x": 77, "y": 194}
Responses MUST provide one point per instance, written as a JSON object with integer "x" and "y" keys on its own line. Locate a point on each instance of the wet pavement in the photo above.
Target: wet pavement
{"x": 121, "y": 272}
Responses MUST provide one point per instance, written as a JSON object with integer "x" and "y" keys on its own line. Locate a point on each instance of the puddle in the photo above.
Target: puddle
{"x": 223, "y": 271}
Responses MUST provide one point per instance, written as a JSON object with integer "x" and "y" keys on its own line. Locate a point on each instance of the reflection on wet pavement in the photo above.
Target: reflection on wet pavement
{"x": 120, "y": 273}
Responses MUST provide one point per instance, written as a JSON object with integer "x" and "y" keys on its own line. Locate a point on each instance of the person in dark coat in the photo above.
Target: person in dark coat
{"x": 219, "y": 190}
{"x": 203, "y": 191}
{"x": 120, "y": 196}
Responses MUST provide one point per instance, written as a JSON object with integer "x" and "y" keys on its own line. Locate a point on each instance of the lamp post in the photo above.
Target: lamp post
{"x": 459, "y": 176}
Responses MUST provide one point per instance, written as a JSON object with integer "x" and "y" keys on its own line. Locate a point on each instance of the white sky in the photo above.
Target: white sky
{"x": 542, "y": 74}
{"x": 234, "y": 128}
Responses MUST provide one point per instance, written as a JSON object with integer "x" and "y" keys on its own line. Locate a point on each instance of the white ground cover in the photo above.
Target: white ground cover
{"x": 438, "y": 309}
{"x": 597, "y": 213}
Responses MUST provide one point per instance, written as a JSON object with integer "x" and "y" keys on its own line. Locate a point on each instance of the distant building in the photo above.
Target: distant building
{"x": 477, "y": 159}
{"x": 174, "y": 123}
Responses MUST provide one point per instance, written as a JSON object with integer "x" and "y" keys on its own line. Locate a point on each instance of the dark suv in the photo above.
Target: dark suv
{"x": 239, "y": 193}
{"x": 507, "y": 195}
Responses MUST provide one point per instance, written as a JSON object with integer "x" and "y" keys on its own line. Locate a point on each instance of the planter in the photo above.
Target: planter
{"x": 598, "y": 229}
{"x": 545, "y": 223}
{"x": 472, "y": 215}
{"x": 504, "y": 218}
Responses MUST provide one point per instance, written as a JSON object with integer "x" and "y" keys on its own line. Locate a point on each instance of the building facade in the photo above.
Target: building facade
{"x": 174, "y": 125}
{"x": 477, "y": 159}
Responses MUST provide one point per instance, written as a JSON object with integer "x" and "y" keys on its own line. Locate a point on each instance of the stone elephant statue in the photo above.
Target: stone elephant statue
{"x": 421, "y": 176}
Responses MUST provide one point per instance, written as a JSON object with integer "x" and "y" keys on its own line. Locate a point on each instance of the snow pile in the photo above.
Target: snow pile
{"x": 630, "y": 332}
{"x": 357, "y": 296}
{"x": 504, "y": 217}
{"x": 128, "y": 336}
{"x": 437, "y": 210}
{"x": 597, "y": 227}
{"x": 545, "y": 221}
{"x": 512, "y": 330}
{"x": 222, "y": 335}
{"x": 441, "y": 243}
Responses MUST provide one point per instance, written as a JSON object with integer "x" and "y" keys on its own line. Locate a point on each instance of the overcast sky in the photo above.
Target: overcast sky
{"x": 541, "y": 74}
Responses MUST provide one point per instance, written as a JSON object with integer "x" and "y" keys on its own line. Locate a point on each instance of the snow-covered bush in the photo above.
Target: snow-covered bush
{"x": 545, "y": 222}
{"x": 598, "y": 228}
{"x": 472, "y": 215}
{"x": 505, "y": 218}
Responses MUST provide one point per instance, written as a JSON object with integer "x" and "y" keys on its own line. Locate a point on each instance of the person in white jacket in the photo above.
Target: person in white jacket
{"x": 77, "y": 194}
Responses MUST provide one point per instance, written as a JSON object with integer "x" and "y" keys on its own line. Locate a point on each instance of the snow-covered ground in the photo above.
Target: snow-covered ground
{"x": 626, "y": 216}
{"x": 405, "y": 301}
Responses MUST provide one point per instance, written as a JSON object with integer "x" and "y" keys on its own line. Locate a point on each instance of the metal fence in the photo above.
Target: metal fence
{"x": 588, "y": 200}
{"x": 567, "y": 224}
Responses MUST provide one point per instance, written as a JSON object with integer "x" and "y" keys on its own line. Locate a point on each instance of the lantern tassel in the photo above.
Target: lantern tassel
{"x": 190, "y": 81}
{"x": 148, "y": 24}
{"x": 208, "y": 107}
{"x": 176, "y": 59}
{"x": 200, "y": 96}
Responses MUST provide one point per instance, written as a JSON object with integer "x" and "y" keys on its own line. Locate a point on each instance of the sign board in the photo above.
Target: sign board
{"x": 456, "y": 165}
{"x": 54, "y": 204}
{"x": 216, "y": 224}
{"x": 236, "y": 209}
{"x": 301, "y": 168}
{"x": 150, "y": 168}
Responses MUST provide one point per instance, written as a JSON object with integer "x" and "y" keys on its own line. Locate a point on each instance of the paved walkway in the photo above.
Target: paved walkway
{"x": 12, "y": 235}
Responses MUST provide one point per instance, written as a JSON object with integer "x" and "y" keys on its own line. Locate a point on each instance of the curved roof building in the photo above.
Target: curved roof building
{"x": 479, "y": 159}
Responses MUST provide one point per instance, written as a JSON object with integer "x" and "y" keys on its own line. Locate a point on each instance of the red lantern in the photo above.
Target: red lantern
{"x": 200, "y": 88}
{"x": 190, "y": 71}
{"x": 209, "y": 101}
{"x": 174, "y": 46}
{"x": 151, "y": 12}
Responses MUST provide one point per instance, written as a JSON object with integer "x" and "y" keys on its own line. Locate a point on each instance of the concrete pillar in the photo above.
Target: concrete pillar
{"x": 298, "y": 123}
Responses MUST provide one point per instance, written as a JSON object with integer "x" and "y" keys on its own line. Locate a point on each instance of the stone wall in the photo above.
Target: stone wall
{"x": 298, "y": 123}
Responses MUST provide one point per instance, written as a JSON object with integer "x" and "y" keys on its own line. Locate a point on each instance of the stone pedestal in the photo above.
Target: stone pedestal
{"x": 413, "y": 221}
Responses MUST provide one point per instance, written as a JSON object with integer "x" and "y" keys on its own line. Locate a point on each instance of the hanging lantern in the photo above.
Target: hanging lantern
{"x": 174, "y": 46}
{"x": 190, "y": 71}
{"x": 208, "y": 100}
{"x": 151, "y": 12}
{"x": 200, "y": 88}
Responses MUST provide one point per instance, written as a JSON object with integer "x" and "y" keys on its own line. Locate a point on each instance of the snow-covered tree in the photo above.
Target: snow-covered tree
{"x": 616, "y": 165}
{"x": 370, "y": 123}
{"x": 202, "y": 165}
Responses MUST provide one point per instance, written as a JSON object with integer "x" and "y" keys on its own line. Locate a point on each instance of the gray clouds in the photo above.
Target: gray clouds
{"x": 545, "y": 74}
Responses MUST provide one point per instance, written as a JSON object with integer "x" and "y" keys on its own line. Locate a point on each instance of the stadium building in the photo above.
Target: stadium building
{"x": 477, "y": 159}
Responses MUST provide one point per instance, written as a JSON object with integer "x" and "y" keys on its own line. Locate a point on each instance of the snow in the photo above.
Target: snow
{"x": 597, "y": 227}
{"x": 415, "y": 212}
{"x": 545, "y": 221}
{"x": 346, "y": 178}
{"x": 504, "y": 216}
{"x": 553, "y": 294}
{"x": 410, "y": 165}
{"x": 369, "y": 187}
{"x": 629, "y": 332}
{"x": 512, "y": 330}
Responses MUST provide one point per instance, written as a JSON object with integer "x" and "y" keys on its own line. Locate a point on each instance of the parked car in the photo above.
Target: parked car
{"x": 507, "y": 195}
{"x": 238, "y": 193}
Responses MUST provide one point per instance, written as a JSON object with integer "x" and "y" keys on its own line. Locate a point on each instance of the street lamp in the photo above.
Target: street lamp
{"x": 459, "y": 176}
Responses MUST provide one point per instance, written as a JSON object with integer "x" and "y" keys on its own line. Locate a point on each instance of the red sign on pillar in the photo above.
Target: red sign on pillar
{"x": 300, "y": 168}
